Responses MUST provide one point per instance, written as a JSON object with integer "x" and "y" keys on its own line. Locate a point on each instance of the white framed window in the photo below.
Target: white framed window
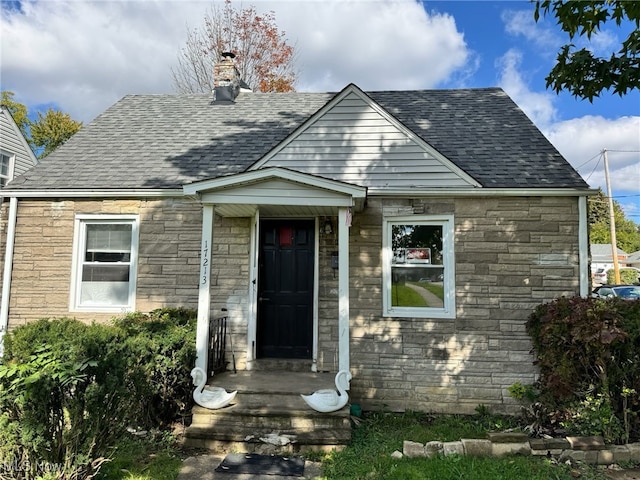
{"x": 7, "y": 162}
{"x": 418, "y": 266}
{"x": 105, "y": 256}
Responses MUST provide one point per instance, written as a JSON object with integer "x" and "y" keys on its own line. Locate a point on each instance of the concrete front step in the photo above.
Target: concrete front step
{"x": 268, "y": 410}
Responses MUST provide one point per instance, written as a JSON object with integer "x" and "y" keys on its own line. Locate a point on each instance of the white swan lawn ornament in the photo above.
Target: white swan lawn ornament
{"x": 328, "y": 400}
{"x": 213, "y": 397}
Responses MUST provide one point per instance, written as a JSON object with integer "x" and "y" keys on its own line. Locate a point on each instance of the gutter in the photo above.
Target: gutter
{"x": 174, "y": 192}
{"x": 479, "y": 192}
{"x": 8, "y": 267}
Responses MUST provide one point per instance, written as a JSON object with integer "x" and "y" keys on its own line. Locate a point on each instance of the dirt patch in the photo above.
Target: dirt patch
{"x": 630, "y": 474}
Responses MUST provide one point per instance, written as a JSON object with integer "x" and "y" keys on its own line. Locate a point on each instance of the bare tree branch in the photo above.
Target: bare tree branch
{"x": 264, "y": 58}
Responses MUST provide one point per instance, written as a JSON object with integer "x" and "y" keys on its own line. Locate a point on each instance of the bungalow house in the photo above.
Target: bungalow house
{"x": 402, "y": 236}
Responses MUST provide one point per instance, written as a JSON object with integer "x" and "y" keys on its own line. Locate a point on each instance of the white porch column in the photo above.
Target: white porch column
{"x": 204, "y": 301}
{"x": 344, "y": 222}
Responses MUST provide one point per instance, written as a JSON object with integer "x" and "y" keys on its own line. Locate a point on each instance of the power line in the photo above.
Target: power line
{"x": 578, "y": 168}
{"x": 594, "y": 168}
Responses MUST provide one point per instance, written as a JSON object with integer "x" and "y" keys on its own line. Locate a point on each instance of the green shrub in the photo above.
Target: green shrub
{"x": 69, "y": 390}
{"x": 588, "y": 352}
{"x": 162, "y": 352}
{"x": 65, "y": 396}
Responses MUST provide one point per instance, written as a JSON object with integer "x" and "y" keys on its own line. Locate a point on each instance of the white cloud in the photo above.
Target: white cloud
{"x": 396, "y": 45}
{"x": 521, "y": 22}
{"x": 581, "y": 140}
{"x": 538, "y": 106}
{"x": 85, "y": 55}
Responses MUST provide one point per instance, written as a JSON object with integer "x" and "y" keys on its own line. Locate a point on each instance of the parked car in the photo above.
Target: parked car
{"x": 628, "y": 292}
{"x": 601, "y": 274}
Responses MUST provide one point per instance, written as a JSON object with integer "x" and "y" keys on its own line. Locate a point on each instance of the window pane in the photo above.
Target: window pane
{"x": 111, "y": 273}
{"x": 417, "y": 270}
{"x": 106, "y": 270}
{"x": 109, "y": 237}
{"x": 107, "y": 257}
{"x": 4, "y": 165}
{"x": 104, "y": 293}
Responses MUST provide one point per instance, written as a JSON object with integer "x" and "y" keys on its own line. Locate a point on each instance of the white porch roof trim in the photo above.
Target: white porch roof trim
{"x": 243, "y": 193}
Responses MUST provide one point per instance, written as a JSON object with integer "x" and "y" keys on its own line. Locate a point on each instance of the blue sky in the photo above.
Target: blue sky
{"x": 82, "y": 56}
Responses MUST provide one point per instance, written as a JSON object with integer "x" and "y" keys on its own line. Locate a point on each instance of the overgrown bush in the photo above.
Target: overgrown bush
{"x": 65, "y": 396}
{"x": 162, "y": 350}
{"x": 69, "y": 390}
{"x": 588, "y": 352}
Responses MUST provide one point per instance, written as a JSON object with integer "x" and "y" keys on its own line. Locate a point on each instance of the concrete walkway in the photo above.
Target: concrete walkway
{"x": 202, "y": 467}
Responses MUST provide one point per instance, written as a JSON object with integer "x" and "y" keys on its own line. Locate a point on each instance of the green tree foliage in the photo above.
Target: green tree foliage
{"x": 627, "y": 231}
{"x": 18, "y": 111}
{"x": 47, "y": 132}
{"x": 579, "y": 71}
{"x": 51, "y": 130}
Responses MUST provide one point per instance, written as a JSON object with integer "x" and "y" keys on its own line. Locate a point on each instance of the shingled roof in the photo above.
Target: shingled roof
{"x": 166, "y": 141}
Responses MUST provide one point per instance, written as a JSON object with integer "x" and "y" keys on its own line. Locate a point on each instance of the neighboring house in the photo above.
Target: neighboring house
{"x": 404, "y": 236}
{"x": 633, "y": 260}
{"x": 602, "y": 257}
{"x": 16, "y": 157}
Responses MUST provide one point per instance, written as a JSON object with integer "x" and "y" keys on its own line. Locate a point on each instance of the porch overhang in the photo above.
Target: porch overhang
{"x": 277, "y": 191}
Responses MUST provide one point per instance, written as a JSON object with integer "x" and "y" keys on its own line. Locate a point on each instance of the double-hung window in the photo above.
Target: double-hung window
{"x": 6, "y": 168}
{"x": 105, "y": 258}
{"x": 418, "y": 266}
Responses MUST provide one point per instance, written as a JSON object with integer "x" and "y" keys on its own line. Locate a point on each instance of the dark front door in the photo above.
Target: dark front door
{"x": 285, "y": 289}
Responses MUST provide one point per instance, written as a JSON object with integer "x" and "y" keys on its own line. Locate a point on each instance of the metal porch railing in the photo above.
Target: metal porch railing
{"x": 217, "y": 345}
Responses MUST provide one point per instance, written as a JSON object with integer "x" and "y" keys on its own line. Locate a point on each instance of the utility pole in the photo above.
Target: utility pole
{"x": 612, "y": 221}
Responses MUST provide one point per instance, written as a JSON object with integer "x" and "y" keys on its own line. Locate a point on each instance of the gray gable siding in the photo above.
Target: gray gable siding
{"x": 13, "y": 143}
{"x": 354, "y": 143}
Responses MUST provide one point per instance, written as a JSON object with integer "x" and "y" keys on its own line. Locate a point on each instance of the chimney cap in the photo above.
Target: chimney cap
{"x": 228, "y": 55}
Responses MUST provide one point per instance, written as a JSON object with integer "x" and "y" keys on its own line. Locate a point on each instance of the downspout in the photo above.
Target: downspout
{"x": 583, "y": 247}
{"x": 8, "y": 267}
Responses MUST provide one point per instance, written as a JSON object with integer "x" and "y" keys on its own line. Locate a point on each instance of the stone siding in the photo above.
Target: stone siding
{"x": 511, "y": 255}
{"x": 168, "y": 263}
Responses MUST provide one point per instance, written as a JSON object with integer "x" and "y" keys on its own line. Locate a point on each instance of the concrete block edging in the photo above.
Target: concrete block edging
{"x": 583, "y": 449}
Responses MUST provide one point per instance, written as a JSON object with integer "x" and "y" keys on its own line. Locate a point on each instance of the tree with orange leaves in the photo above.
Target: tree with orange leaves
{"x": 264, "y": 58}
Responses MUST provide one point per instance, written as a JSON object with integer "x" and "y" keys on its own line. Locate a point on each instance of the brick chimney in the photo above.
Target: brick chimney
{"x": 226, "y": 79}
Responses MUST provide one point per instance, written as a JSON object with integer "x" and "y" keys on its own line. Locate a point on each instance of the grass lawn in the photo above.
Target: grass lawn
{"x": 143, "y": 459}
{"x": 369, "y": 455}
{"x": 403, "y": 295}
{"x": 375, "y": 438}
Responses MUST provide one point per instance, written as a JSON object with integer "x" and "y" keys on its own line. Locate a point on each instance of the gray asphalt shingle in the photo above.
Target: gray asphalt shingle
{"x": 165, "y": 141}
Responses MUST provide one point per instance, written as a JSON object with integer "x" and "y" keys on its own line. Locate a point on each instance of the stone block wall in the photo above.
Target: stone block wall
{"x": 511, "y": 254}
{"x": 168, "y": 263}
